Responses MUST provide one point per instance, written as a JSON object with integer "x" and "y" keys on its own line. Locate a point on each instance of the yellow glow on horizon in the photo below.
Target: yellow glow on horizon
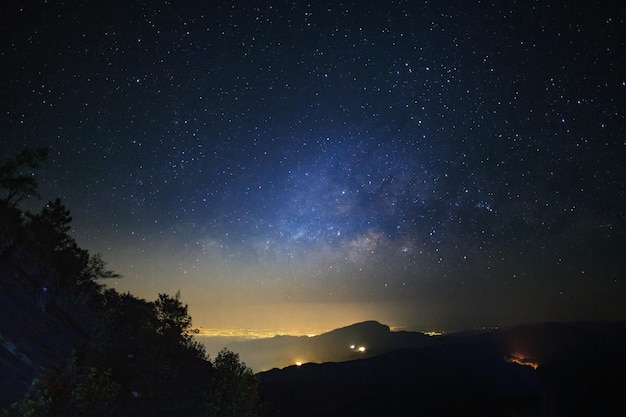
{"x": 298, "y": 363}
{"x": 250, "y": 333}
{"x": 235, "y": 315}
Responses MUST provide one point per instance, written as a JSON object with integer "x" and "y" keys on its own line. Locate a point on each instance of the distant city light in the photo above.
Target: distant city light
{"x": 359, "y": 349}
{"x": 252, "y": 333}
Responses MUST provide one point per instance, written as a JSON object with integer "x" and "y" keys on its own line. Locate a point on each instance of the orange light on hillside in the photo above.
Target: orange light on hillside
{"x": 520, "y": 359}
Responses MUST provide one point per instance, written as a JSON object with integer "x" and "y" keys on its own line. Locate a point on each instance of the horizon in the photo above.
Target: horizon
{"x": 260, "y": 333}
{"x": 300, "y": 167}
{"x": 243, "y": 334}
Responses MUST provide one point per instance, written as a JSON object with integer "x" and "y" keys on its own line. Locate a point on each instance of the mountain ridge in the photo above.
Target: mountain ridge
{"x": 542, "y": 341}
{"x": 553, "y": 369}
{"x": 358, "y": 340}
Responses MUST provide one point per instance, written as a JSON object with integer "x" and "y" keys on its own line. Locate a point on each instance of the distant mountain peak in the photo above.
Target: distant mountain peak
{"x": 367, "y": 326}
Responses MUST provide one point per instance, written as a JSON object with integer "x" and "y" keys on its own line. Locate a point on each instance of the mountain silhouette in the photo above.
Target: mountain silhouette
{"x": 360, "y": 340}
{"x": 573, "y": 369}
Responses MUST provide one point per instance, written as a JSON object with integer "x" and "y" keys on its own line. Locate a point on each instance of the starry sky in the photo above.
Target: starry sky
{"x": 300, "y": 166}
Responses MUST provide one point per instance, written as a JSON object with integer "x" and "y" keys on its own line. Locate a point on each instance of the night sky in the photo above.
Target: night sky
{"x": 301, "y": 166}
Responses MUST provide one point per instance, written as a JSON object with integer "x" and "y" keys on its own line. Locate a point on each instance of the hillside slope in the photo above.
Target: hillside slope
{"x": 31, "y": 338}
{"x": 450, "y": 380}
{"x": 540, "y": 370}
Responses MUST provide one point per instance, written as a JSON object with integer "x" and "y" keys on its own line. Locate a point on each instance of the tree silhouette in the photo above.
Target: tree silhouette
{"x": 47, "y": 233}
{"x": 234, "y": 391}
{"x": 173, "y": 318}
{"x": 16, "y": 179}
{"x": 52, "y": 226}
{"x": 130, "y": 354}
{"x": 16, "y": 183}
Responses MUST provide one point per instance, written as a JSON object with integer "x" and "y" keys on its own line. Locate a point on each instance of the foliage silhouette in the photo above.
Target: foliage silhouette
{"x": 173, "y": 319}
{"x": 235, "y": 389}
{"x": 131, "y": 356}
{"x": 17, "y": 183}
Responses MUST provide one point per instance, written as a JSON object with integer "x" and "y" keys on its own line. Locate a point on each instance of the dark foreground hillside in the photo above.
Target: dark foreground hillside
{"x": 579, "y": 374}
{"x": 70, "y": 346}
{"x": 31, "y": 339}
{"x": 78, "y": 349}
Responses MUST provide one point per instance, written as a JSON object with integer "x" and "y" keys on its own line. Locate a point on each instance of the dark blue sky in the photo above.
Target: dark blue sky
{"x": 429, "y": 164}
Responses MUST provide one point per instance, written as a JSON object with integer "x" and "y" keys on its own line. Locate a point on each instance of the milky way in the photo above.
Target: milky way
{"x": 454, "y": 164}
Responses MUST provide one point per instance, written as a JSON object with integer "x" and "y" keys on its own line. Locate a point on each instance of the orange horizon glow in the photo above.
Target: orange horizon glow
{"x": 251, "y": 333}
{"x": 269, "y": 333}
